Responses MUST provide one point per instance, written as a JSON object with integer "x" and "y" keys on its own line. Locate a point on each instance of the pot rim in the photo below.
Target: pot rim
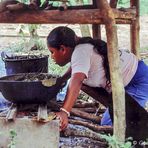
{"x": 29, "y": 59}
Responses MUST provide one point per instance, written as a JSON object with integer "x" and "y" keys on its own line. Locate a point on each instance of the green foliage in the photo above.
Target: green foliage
{"x": 25, "y": 45}
{"x": 143, "y": 5}
{"x": 16, "y": 47}
{"x": 123, "y": 3}
{"x": 12, "y": 135}
{"x": 55, "y": 69}
{"x": 114, "y": 143}
{"x": 144, "y": 48}
{"x": 145, "y": 143}
{"x": 83, "y": 96}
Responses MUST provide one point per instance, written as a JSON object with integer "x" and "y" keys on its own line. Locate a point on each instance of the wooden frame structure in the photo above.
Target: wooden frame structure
{"x": 104, "y": 13}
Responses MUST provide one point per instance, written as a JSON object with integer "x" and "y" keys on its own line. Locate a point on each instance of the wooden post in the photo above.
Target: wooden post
{"x": 96, "y": 31}
{"x": 134, "y": 29}
{"x": 96, "y": 28}
{"x": 116, "y": 80}
{"x": 113, "y": 3}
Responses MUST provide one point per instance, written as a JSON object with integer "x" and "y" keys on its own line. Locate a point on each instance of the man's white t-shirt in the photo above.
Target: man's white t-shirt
{"x": 86, "y": 60}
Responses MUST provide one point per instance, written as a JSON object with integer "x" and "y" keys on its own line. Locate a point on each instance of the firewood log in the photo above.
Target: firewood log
{"x": 85, "y": 115}
{"x": 82, "y": 133}
{"x": 3, "y": 4}
{"x": 18, "y": 6}
{"x": 94, "y": 127}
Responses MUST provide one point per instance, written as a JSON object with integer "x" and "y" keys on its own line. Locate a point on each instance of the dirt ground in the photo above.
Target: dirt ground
{"x": 123, "y": 33}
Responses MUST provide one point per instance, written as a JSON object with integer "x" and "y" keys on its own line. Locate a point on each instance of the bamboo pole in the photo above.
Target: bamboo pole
{"x": 116, "y": 81}
{"x": 134, "y": 30}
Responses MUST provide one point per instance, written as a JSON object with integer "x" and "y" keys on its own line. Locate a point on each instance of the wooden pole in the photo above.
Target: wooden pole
{"x": 85, "y": 31}
{"x": 116, "y": 80}
{"x": 134, "y": 30}
{"x": 96, "y": 31}
{"x": 96, "y": 28}
{"x": 113, "y": 3}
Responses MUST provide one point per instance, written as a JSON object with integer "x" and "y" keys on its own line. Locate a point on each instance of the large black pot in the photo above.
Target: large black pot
{"x": 18, "y": 91}
{"x": 25, "y": 63}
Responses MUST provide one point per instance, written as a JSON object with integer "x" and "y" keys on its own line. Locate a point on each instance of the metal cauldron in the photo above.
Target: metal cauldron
{"x": 17, "y": 91}
{"x": 25, "y": 63}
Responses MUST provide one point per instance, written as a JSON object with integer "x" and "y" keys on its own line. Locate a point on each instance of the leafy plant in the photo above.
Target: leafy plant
{"x": 114, "y": 143}
{"x": 12, "y": 135}
{"x": 34, "y": 42}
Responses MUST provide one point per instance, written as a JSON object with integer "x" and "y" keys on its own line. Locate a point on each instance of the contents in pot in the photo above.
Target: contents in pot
{"x": 49, "y": 82}
{"x": 46, "y": 79}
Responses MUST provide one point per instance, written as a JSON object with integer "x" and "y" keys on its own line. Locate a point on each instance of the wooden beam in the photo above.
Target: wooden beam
{"x": 115, "y": 73}
{"x": 58, "y": 17}
{"x": 134, "y": 30}
{"x": 97, "y": 93}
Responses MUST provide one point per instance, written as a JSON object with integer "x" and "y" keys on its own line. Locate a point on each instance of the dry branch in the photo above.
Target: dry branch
{"x": 16, "y": 7}
{"x": 74, "y": 142}
{"x": 82, "y": 133}
{"x": 83, "y": 105}
{"x": 88, "y": 110}
{"x": 85, "y": 115}
{"x": 94, "y": 127}
{"x": 3, "y": 4}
